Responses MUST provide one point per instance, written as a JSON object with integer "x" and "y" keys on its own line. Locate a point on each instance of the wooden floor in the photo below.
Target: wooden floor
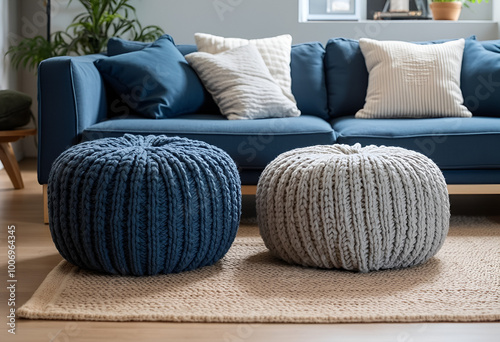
{"x": 36, "y": 256}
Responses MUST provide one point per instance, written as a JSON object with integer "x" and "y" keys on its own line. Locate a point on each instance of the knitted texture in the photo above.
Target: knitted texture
{"x": 359, "y": 209}
{"x": 143, "y": 205}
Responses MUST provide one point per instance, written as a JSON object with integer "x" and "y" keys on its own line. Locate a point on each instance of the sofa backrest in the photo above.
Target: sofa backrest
{"x": 331, "y": 82}
{"x": 308, "y": 77}
{"x": 307, "y": 68}
{"x": 347, "y": 76}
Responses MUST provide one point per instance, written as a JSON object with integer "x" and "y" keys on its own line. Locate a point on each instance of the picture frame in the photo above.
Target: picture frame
{"x": 348, "y": 10}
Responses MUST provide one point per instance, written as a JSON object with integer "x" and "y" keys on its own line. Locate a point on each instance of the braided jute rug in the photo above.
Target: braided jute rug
{"x": 460, "y": 284}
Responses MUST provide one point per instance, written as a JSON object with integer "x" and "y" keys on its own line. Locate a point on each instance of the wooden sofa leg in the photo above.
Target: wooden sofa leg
{"x": 474, "y": 189}
{"x": 9, "y": 161}
{"x": 45, "y": 205}
{"x": 249, "y": 189}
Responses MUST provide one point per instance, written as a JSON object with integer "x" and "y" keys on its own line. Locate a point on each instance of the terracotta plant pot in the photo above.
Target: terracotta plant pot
{"x": 446, "y": 10}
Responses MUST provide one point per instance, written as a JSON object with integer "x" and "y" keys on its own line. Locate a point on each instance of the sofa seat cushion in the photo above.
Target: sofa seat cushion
{"x": 251, "y": 143}
{"x": 452, "y": 143}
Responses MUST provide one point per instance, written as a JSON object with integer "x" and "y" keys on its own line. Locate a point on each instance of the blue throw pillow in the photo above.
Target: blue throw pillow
{"x": 480, "y": 79}
{"x": 156, "y": 82}
{"x": 491, "y": 45}
{"x": 308, "y": 78}
{"x": 307, "y": 67}
{"x": 347, "y": 76}
{"x": 118, "y": 46}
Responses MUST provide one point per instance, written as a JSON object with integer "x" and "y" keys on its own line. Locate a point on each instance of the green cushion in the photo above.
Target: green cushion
{"x": 14, "y": 109}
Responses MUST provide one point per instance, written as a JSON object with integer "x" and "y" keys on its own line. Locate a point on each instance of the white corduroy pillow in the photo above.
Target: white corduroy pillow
{"x": 241, "y": 84}
{"x": 409, "y": 80}
{"x": 275, "y": 51}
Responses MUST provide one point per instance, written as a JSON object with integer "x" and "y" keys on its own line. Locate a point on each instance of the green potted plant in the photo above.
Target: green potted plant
{"x": 449, "y": 9}
{"x": 89, "y": 33}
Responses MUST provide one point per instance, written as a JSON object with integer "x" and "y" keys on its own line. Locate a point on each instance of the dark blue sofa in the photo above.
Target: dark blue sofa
{"x": 329, "y": 85}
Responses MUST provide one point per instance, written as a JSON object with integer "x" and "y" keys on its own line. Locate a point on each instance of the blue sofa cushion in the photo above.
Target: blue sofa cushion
{"x": 308, "y": 79}
{"x": 347, "y": 76}
{"x": 251, "y": 143}
{"x": 307, "y": 67}
{"x": 480, "y": 79}
{"x": 472, "y": 176}
{"x": 118, "y": 46}
{"x": 156, "y": 82}
{"x": 491, "y": 45}
{"x": 186, "y": 49}
{"x": 452, "y": 143}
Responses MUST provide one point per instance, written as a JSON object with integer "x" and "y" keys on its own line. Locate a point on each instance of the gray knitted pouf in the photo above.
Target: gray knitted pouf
{"x": 359, "y": 209}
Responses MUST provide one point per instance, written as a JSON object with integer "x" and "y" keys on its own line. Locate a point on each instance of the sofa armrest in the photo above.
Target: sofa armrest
{"x": 71, "y": 97}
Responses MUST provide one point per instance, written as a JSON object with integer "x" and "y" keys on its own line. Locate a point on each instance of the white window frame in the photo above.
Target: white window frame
{"x": 304, "y": 15}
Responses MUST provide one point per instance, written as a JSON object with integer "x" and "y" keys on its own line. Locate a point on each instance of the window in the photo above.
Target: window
{"x": 311, "y": 10}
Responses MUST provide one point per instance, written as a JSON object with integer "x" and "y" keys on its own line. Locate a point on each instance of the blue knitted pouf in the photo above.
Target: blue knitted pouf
{"x": 143, "y": 205}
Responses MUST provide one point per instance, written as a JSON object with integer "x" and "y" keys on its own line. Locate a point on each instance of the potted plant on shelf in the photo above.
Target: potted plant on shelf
{"x": 449, "y": 9}
{"x": 89, "y": 33}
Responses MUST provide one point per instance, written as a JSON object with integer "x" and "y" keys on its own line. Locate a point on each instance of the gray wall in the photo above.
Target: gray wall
{"x": 496, "y": 13}
{"x": 482, "y": 11}
{"x": 8, "y": 30}
{"x": 32, "y": 22}
{"x": 245, "y": 18}
{"x": 9, "y": 13}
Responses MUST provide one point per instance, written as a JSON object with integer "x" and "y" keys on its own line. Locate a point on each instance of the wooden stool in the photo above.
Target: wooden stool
{"x": 8, "y": 157}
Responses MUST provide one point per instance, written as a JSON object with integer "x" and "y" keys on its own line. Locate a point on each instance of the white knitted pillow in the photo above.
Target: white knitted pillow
{"x": 409, "y": 80}
{"x": 275, "y": 51}
{"x": 241, "y": 84}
